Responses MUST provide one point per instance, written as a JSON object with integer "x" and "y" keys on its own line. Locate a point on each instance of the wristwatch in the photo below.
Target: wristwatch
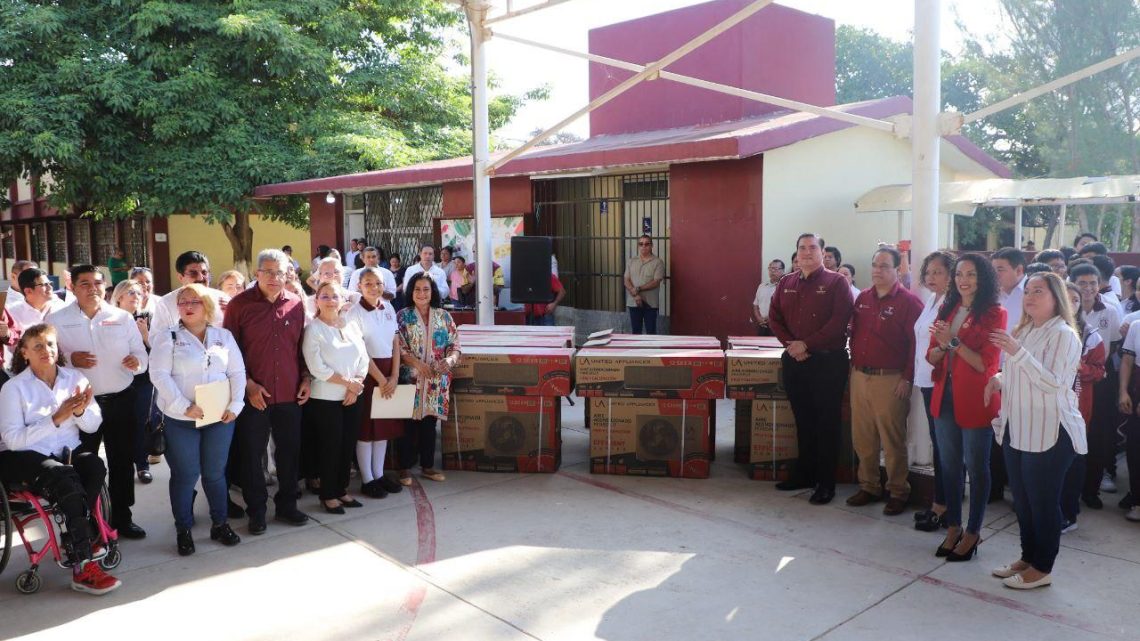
{"x": 953, "y": 344}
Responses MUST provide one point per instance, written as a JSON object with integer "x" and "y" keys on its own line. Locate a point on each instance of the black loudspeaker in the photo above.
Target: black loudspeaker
{"x": 530, "y": 269}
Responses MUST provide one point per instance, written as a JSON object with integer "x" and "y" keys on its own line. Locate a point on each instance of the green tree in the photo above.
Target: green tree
{"x": 168, "y": 107}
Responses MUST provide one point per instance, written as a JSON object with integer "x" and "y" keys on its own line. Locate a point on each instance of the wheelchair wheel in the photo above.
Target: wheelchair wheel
{"x": 6, "y": 528}
{"x": 105, "y": 504}
{"x": 112, "y": 560}
{"x": 28, "y": 582}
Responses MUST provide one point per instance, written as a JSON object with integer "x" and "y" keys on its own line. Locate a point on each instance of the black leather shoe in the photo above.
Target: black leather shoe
{"x": 1126, "y": 502}
{"x": 954, "y": 557}
{"x": 256, "y": 526}
{"x": 233, "y": 510}
{"x": 185, "y": 543}
{"x": 1093, "y": 502}
{"x": 822, "y": 495}
{"x": 225, "y": 535}
{"x": 295, "y": 517}
{"x": 391, "y": 486}
{"x": 373, "y": 490}
{"x": 131, "y": 531}
{"x": 793, "y": 484}
{"x": 351, "y": 503}
{"x": 339, "y": 509}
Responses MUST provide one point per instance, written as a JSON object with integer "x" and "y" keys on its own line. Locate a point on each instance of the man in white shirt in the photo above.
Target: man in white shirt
{"x": 14, "y": 293}
{"x": 763, "y": 300}
{"x": 354, "y": 247}
{"x": 371, "y": 258}
{"x": 427, "y": 264}
{"x": 39, "y": 300}
{"x": 1009, "y": 263}
{"x": 103, "y": 342}
{"x": 192, "y": 267}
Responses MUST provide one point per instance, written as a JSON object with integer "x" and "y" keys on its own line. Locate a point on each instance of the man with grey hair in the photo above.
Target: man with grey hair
{"x": 268, "y": 323}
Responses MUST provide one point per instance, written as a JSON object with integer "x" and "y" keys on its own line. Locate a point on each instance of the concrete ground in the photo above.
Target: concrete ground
{"x": 580, "y": 556}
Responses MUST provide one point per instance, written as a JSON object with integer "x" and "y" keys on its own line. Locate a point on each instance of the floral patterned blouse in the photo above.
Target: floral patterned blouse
{"x": 439, "y": 341}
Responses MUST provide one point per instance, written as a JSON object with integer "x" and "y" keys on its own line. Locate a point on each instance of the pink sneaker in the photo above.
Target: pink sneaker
{"x": 93, "y": 580}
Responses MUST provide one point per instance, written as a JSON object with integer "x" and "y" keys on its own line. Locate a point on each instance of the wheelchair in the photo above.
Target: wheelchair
{"x": 21, "y": 509}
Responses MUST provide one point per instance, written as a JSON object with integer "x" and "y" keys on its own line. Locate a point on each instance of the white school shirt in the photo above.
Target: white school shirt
{"x": 26, "y": 407}
{"x": 763, "y": 298}
{"x": 1013, "y": 303}
{"x": 1114, "y": 283}
{"x": 923, "y": 370}
{"x": 1107, "y": 321}
{"x": 1110, "y": 298}
{"x": 166, "y": 311}
{"x": 437, "y": 276}
{"x": 331, "y": 350}
{"x": 1037, "y": 389}
{"x": 111, "y": 336}
{"x": 180, "y": 363}
{"x": 385, "y": 274}
{"x": 379, "y": 326}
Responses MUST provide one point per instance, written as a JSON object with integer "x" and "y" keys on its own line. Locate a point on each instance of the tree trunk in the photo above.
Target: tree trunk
{"x": 1135, "y": 247}
{"x": 1051, "y": 228}
{"x": 1082, "y": 221}
{"x": 1116, "y": 231}
{"x": 240, "y": 235}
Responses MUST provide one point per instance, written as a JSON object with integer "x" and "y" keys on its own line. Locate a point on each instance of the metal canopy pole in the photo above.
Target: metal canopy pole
{"x": 1017, "y": 220}
{"x": 925, "y": 134}
{"x": 481, "y": 182}
{"x": 1061, "y": 223}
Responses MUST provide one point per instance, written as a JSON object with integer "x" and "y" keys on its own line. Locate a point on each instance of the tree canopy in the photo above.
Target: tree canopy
{"x": 167, "y": 107}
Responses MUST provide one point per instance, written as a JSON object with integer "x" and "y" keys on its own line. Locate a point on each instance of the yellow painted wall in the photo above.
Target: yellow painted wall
{"x": 193, "y": 233}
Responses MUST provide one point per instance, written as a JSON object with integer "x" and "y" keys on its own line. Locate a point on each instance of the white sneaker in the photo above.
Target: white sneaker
{"x": 1107, "y": 484}
{"x": 1133, "y": 514}
{"x": 1068, "y": 526}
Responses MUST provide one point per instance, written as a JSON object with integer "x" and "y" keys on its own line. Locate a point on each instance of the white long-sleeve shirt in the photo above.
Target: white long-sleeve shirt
{"x": 25, "y": 315}
{"x": 166, "y": 311}
{"x": 1012, "y": 302}
{"x": 331, "y": 350}
{"x": 1037, "y": 389}
{"x": 378, "y": 325}
{"x": 180, "y": 363}
{"x": 436, "y": 274}
{"x": 26, "y": 408}
{"x": 111, "y": 335}
{"x": 923, "y": 370}
{"x": 387, "y": 275}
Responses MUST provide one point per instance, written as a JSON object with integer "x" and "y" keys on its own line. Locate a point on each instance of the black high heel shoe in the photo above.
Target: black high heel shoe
{"x": 954, "y": 557}
{"x": 942, "y": 552}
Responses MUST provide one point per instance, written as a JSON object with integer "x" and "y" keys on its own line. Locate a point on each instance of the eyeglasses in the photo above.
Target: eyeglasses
{"x": 190, "y": 303}
{"x": 272, "y": 273}
{"x": 644, "y": 244}
{"x": 43, "y": 285}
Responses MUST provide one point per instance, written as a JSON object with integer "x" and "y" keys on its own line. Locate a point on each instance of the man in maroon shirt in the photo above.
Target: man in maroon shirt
{"x": 268, "y": 323}
{"x": 882, "y": 374}
{"x": 810, "y": 313}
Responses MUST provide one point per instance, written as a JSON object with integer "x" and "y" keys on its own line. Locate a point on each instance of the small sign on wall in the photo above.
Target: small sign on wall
{"x": 160, "y": 238}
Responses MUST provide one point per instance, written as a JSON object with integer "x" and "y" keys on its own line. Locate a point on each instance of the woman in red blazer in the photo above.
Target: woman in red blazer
{"x": 964, "y": 360}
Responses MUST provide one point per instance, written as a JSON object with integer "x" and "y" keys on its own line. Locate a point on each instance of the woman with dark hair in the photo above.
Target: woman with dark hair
{"x": 847, "y": 271}
{"x": 964, "y": 361}
{"x": 935, "y": 275}
{"x": 398, "y": 270}
{"x": 1040, "y": 427}
{"x": 429, "y": 345}
{"x": 1129, "y": 300}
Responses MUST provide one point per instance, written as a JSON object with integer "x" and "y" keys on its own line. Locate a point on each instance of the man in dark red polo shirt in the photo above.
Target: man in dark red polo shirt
{"x": 268, "y": 322}
{"x": 810, "y": 313}
{"x": 882, "y": 374}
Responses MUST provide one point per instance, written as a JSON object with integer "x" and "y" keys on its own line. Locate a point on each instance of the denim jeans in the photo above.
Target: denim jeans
{"x": 963, "y": 448}
{"x": 646, "y": 316}
{"x": 939, "y": 491}
{"x": 546, "y": 320}
{"x": 146, "y": 414}
{"x": 1036, "y": 478}
{"x": 192, "y": 452}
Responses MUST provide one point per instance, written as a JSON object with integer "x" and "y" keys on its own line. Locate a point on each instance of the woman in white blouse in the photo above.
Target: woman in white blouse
{"x": 378, "y": 321}
{"x": 1040, "y": 424}
{"x": 338, "y": 361}
{"x": 191, "y": 354}
{"x": 43, "y": 408}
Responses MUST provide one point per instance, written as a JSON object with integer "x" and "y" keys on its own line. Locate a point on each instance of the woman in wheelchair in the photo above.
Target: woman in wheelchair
{"x": 42, "y": 410}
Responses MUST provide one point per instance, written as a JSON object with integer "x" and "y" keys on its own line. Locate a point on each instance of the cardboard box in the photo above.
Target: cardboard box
{"x": 754, "y": 341}
{"x": 517, "y": 371}
{"x": 754, "y": 372}
{"x": 503, "y": 434}
{"x": 641, "y": 341}
{"x": 651, "y": 437}
{"x": 767, "y": 428}
{"x": 506, "y": 340}
{"x": 650, "y": 373}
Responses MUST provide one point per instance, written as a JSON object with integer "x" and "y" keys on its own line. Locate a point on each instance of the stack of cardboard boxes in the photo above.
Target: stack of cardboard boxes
{"x": 506, "y": 399}
{"x": 766, "y": 438}
{"x": 652, "y": 402}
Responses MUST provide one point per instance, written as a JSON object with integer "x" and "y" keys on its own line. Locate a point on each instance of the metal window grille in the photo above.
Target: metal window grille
{"x": 80, "y": 241}
{"x": 9, "y": 233}
{"x": 57, "y": 235}
{"x": 595, "y": 223}
{"x": 39, "y": 243}
{"x": 400, "y": 221}
{"x": 104, "y": 240}
{"x": 134, "y": 240}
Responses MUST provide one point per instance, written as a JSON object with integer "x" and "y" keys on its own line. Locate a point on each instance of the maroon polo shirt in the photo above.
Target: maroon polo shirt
{"x": 269, "y": 335}
{"x": 814, "y": 309}
{"x": 882, "y": 330}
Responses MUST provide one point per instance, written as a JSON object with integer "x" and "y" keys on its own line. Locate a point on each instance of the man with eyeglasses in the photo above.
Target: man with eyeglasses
{"x": 268, "y": 323}
{"x": 882, "y": 372}
{"x": 643, "y": 276}
{"x": 104, "y": 343}
{"x": 39, "y": 299}
{"x": 192, "y": 267}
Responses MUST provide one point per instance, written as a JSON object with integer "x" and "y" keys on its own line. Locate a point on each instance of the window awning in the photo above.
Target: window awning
{"x": 963, "y": 197}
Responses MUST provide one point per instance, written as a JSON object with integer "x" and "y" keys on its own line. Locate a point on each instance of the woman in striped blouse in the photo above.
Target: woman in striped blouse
{"x": 1040, "y": 424}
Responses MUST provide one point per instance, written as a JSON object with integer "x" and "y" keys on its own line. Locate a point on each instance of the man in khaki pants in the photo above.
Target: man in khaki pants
{"x": 882, "y": 371}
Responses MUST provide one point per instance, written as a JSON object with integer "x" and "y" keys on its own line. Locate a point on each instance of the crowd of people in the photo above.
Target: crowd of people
{"x": 87, "y": 370}
{"x": 1026, "y": 368}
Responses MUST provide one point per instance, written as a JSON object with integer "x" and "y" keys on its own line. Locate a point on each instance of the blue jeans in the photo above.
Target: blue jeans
{"x": 643, "y": 315}
{"x": 963, "y": 448}
{"x": 939, "y": 491}
{"x": 1036, "y": 479}
{"x": 546, "y": 320}
{"x": 191, "y": 452}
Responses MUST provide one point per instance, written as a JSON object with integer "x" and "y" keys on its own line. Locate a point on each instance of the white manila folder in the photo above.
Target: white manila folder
{"x": 214, "y": 399}
{"x": 401, "y": 404}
